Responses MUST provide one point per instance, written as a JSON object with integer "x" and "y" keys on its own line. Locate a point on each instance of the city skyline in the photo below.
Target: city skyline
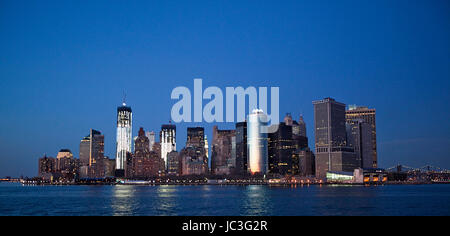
{"x": 341, "y": 138}
{"x": 62, "y": 71}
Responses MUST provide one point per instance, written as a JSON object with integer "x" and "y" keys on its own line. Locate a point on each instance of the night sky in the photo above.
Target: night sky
{"x": 64, "y": 66}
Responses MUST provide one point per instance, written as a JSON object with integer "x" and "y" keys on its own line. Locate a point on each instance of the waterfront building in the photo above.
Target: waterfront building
{"x": 63, "y": 159}
{"x": 358, "y": 176}
{"x": 257, "y": 142}
{"x": 167, "y": 138}
{"x": 66, "y": 165}
{"x": 173, "y": 164}
{"x": 368, "y": 115}
{"x": 123, "y": 138}
{"x": 85, "y": 149}
{"x": 196, "y": 138}
{"x": 92, "y": 150}
{"x": 110, "y": 166}
{"x": 332, "y": 151}
{"x": 306, "y": 162}
{"x": 46, "y": 166}
{"x": 241, "y": 148}
{"x": 359, "y": 136}
{"x": 193, "y": 161}
{"x": 146, "y": 163}
{"x": 281, "y": 149}
{"x": 221, "y": 151}
{"x": 128, "y": 171}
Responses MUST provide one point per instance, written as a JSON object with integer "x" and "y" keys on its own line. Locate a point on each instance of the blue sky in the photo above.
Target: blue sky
{"x": 65, "y": 64}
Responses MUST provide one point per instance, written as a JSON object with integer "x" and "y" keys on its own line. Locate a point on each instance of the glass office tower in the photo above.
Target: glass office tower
{"x": 124, "y": 139}
{"x": 257, "y": 142}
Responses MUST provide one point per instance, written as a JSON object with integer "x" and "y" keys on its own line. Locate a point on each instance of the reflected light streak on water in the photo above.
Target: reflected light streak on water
{"x": 165, "y": 201}
{"x": 122, "y": 202}
{"x": 256, "y": 201}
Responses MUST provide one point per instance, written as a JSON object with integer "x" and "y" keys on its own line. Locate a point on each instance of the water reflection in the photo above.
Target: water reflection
{"x": 165, "y": 201}
{"x": 123, "y": 200}
{"x": 256, "y": 201}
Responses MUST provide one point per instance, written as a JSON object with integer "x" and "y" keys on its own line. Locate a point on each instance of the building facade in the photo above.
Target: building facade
{"x": 359, "y": 136}
{"x": 257, "y": 142}
{"x": 151, "y": 138}
{"x": 46, "y": 166}
{"x": 193, "y": 161}
{"x": 92, "y": 150}
{"x": 241, "y": 148}
{"x": 173, "y": 164}
{"x": 281, "y": 149}
{"x": 332, "y": 151}
{"x": 368, "y": 115}
{"x": 221, "y": 151}
{"x": 124, "y": 137}
{"x": 306, "y": 162}
{"x": 66, "y": 165}
{"x": 146, "y": 163}
{"x": 167, "y": 138}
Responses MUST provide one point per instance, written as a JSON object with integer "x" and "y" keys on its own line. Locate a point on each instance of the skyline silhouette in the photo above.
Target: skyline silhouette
{"x": 64, "y": 68}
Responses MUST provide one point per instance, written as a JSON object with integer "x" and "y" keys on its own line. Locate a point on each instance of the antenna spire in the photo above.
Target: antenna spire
{"x": 124, "y": 98}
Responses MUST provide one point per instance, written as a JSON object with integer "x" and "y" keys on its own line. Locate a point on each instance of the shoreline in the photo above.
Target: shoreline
{"x": 228, "y": 184}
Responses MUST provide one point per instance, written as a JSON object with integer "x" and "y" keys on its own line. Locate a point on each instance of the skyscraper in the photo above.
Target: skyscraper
{"x": 281, "y": 148}
{"x": 92, "y": 150}
{"x": 368, "y": 115}
{"x": 124, "y": 138}
{"x": 146, "y": 163}
{"x": 301, "y": 127}
{"x": 306, "y": 162}
{"x": 47, "y": 166}
{"x": 173, "y": 164}
{"x": 241, "y": 148}
{"x": 257, "y": 142}
{"x": 332, "y": 151}
{"x": 193, "y": 159}
{"x": 151, "y": 138}
{"x": 167, "y": 138}
{"x": 66, "y": 165}
{"x": 359, "y": 136}
{"x": 221, "y": 151}
{"x": 299, "y": 133}
{"x": 195, "y": 137}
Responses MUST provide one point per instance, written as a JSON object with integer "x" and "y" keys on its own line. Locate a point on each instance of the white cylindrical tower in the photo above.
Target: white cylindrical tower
{"x": 257, "y": 142}
{"x": 124, "y": 139}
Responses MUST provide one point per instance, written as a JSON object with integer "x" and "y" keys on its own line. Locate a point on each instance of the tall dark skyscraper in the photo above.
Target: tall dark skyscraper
{"x": 124, "y": 138}
{"x": 241, "y": 148}
{"x": 368, "y": 115}
{"x": 92, "y": 150}
{"x": 332, "y": 151}
{"x": 281, "y": 148}
{"x": 359, "y": 136}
